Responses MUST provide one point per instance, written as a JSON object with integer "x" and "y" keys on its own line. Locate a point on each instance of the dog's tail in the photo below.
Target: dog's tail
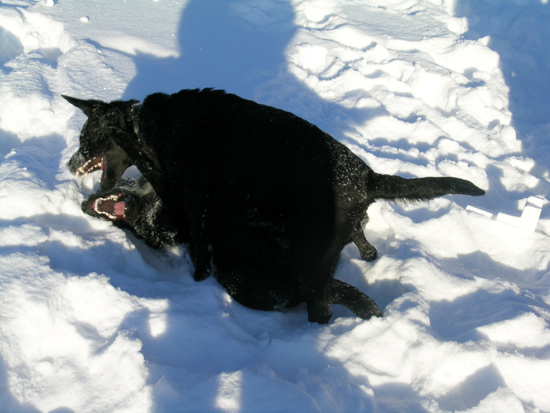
{"x": 395, "y": 188}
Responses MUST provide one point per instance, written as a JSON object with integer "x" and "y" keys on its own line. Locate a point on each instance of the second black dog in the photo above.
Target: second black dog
{"x": 134, "y": 205}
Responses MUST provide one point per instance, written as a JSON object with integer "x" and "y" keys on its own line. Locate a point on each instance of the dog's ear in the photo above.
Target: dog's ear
{"x": 87, "y": 106}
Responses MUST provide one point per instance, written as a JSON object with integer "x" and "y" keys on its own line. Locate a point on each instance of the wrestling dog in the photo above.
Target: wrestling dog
{"x": 265, "y": 196}
{"x": 134, "y": 205}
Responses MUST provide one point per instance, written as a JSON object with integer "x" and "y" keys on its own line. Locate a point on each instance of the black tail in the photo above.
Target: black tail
{"x": 395, "y": 188}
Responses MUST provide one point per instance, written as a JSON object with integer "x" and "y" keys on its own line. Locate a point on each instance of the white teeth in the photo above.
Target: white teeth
{"x": 90, "y": 166}
{"x": 97, "y": 203}
{"x": 82, "y": 169}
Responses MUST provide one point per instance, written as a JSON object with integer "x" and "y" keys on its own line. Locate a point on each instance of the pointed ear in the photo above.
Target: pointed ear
{"x": 87, "y": 106}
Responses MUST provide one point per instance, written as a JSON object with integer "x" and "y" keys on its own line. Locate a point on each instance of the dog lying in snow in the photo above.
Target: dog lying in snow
{"x": 265, "y": 196}
{"x": 134, "y": 205}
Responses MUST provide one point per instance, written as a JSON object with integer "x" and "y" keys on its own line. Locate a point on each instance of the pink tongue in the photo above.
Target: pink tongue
{"x": 119, "y": 208}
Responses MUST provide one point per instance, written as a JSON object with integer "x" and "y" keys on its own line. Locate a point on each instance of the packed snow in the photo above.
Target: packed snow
{"x": 92, "y": 320}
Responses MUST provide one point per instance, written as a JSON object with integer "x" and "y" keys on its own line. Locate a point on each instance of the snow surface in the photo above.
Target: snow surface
{"x": 91, "y": 320}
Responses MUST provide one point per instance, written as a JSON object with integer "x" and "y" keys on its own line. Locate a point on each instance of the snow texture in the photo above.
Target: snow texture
{"x": 91, "y": 320}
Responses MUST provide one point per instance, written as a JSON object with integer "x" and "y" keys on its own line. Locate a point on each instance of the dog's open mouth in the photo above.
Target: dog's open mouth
{"x": 113, "y": 206}
{"x": 92, "y": 165}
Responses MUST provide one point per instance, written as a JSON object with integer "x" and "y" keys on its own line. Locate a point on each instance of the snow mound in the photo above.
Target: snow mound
{"x": 92, "y": 320}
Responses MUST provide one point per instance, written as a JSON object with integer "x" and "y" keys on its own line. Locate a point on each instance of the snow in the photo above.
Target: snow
{"x": 91, "y": 320}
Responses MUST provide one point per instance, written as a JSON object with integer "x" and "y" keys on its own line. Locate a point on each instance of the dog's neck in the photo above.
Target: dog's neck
{"x": 148, "y": 158}
{"x": 134, "y": 116}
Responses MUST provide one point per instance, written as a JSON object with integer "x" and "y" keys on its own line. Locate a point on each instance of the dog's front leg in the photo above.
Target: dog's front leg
{"x": 202, "y": 270}
{"x": 318, "y": 309}
{"x": 200, "y": 233}
{"x": 197, "y": 221}
{"x": 202, "y": 248}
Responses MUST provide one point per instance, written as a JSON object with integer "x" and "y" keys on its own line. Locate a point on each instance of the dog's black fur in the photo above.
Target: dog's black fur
{"x": 265, "y": 195}
{"x": 100, "y": 152}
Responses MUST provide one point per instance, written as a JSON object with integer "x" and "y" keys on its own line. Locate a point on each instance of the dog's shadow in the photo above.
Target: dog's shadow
{"x": 239, "y": 46}
{"x": 222, "y": 45}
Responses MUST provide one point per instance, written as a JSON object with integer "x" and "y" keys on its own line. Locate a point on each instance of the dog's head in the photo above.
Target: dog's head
{"x": 109, "y": 206}
{"x": 98, "y": 150}
{"x": 134, "y": 205}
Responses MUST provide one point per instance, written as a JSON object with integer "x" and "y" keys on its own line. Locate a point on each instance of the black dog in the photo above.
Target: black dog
{"x": 134, "y": 205}
{"x": 265, "y": 195}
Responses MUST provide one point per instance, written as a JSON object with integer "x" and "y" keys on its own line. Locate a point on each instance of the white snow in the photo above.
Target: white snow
{"x": 91, "y": 320}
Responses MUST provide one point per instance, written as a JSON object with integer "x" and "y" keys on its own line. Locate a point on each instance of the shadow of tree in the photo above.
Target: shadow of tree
{"x": 237, "y": 46}
{"x": 519, "y": 32}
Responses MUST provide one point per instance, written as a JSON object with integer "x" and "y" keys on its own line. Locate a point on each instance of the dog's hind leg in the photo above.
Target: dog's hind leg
{"x": 338, "y": 292}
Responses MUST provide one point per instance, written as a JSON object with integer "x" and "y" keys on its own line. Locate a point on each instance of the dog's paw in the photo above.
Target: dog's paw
{"x": 202, "y": 272}
{"x": 368, "y": 253}
{"x": 371, "y": 309}
{"x": 201, "y": 276}
{"x": 318, "y": 312}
